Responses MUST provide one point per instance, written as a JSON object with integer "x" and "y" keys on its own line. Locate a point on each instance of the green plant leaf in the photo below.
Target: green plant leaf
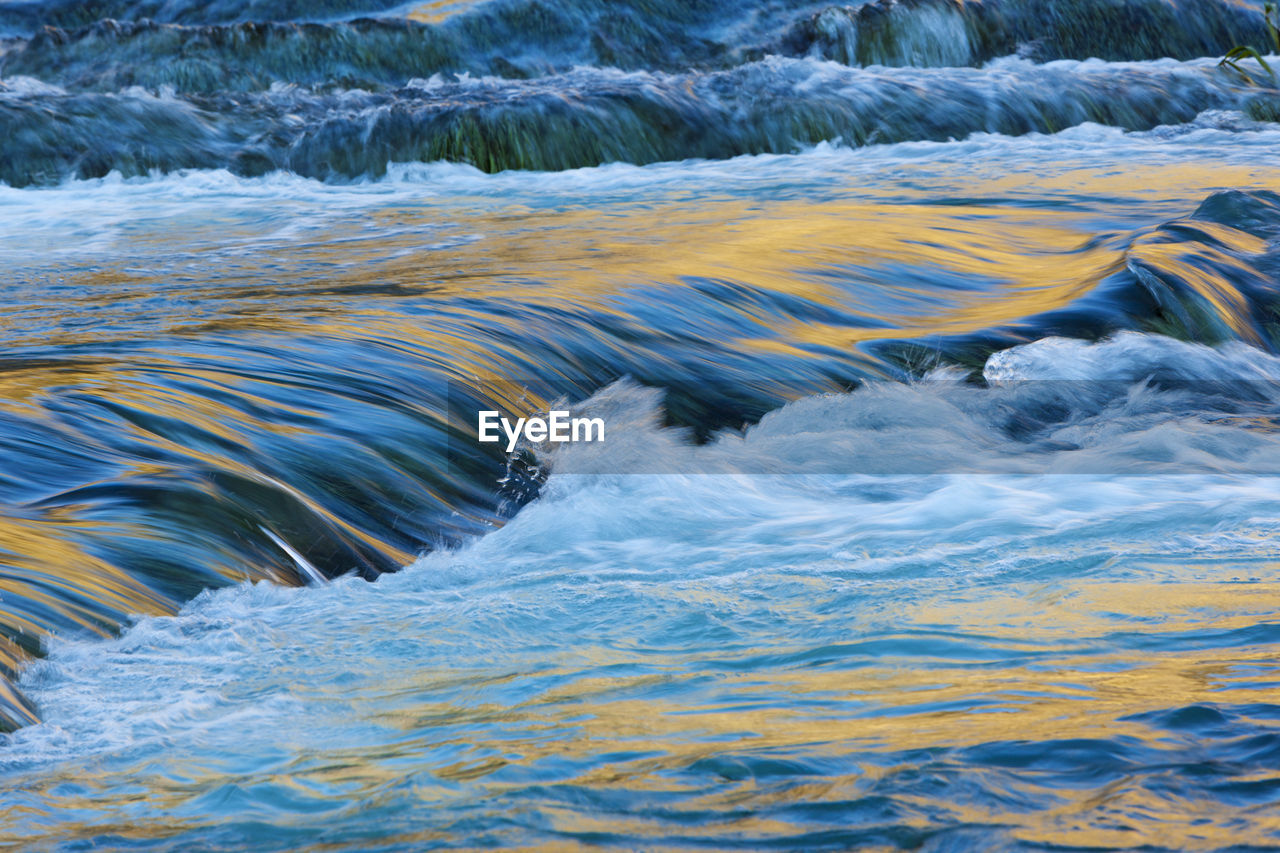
{"x": 1241, "y": 52}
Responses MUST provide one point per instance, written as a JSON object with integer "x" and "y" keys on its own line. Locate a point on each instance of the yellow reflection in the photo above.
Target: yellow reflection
{"x": 574, "y": 263}
{"x": 860, "y": 719}
{"x": 439, "y": 10}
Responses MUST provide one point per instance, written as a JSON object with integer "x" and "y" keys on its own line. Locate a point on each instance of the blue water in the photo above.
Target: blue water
{"x": 937, "y": 348}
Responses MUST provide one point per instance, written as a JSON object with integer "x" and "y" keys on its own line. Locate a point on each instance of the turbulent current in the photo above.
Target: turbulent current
{"x": 938, "y": 344}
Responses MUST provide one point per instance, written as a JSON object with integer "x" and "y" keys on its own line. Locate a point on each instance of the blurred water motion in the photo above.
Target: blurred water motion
{"x": 938, "y": 505}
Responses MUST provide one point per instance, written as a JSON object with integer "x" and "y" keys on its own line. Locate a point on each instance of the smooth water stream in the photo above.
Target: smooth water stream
{"x": 940, "y": 498}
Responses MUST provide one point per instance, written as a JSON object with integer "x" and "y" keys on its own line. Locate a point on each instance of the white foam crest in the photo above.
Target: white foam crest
{"x": 20, "y": 86}
{"x": 1226, "y": 134}
{"x": 1130, "y": 357}
{"x": 1055, "y": 406}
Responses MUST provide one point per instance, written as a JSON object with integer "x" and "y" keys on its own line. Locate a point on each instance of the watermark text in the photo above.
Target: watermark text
{"x": 558, "y": 426}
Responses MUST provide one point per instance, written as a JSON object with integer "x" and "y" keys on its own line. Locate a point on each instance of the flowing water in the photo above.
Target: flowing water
{"x": 938, "y": 345}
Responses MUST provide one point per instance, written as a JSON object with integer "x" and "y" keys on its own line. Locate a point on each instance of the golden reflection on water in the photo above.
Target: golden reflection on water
{"x": 439, "y": 10}
{"x": 573, "y": 260}
{"x": 580, "y": 259}
{"x": 1028, "y": 259}
{"x": 862, "y": 715}
{"x": 886, "y": 706}
{"x": 39, "y": 564}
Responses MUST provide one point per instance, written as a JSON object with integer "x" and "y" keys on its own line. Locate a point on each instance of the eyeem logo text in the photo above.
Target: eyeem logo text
{"x": 557, "y": 426}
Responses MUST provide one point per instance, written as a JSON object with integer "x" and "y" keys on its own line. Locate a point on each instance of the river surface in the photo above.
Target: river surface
{"x": 938, "y": 345}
